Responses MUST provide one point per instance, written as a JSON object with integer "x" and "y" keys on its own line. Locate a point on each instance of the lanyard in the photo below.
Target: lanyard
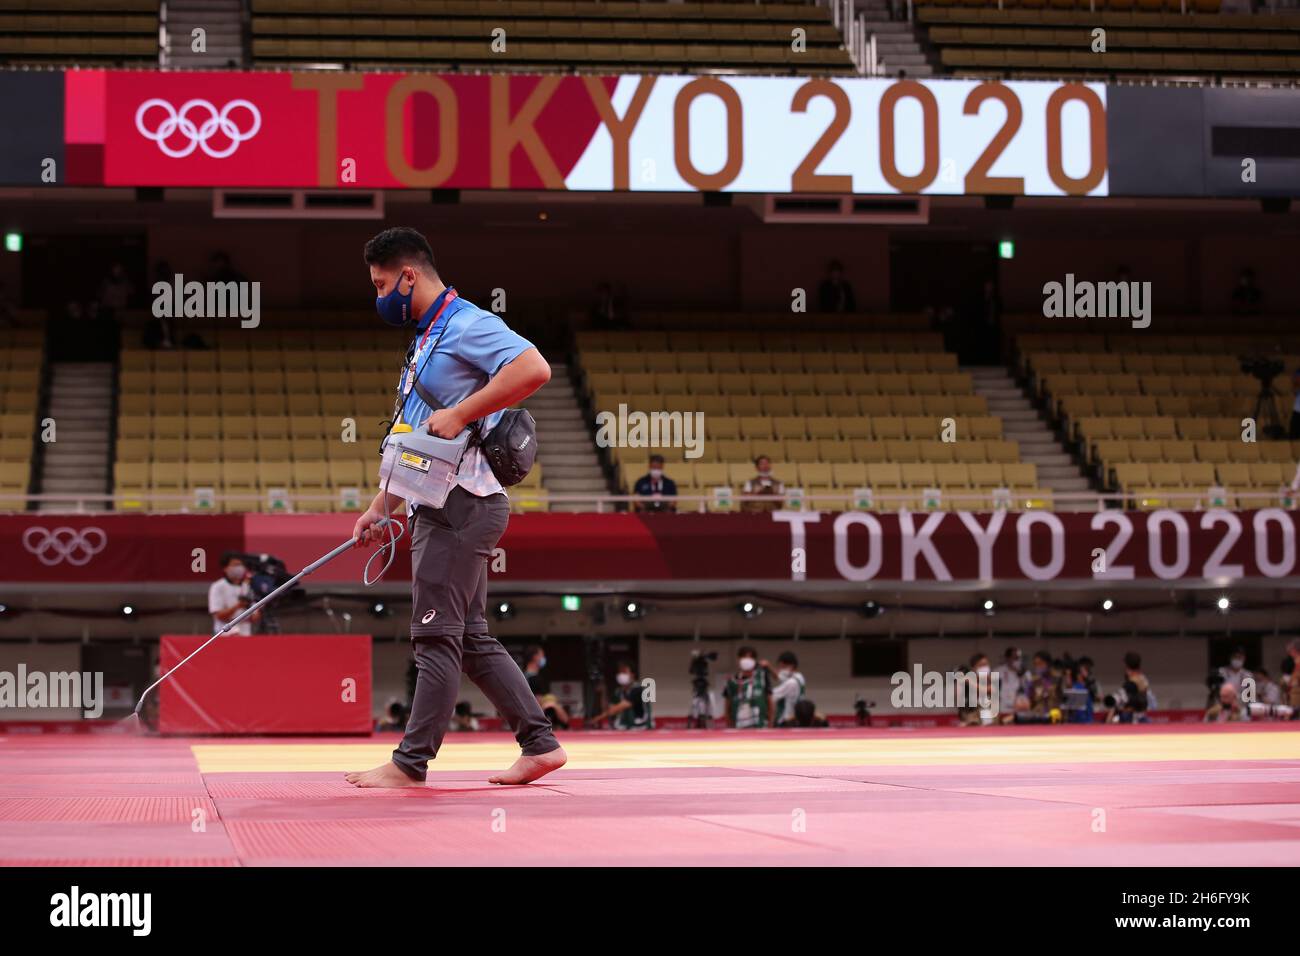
{"x": 447, "y": 297}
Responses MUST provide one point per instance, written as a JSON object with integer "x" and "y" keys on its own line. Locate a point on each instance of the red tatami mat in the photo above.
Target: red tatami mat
{"x": 843, "y": 797}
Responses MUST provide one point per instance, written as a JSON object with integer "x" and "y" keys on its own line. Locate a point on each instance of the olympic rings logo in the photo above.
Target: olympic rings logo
{"x": 179, "y": 121}
{"x": 76, "y": 547}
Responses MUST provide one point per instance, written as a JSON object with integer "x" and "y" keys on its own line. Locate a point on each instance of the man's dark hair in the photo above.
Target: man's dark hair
{"x": 746, "y": 651}
{"x": 231, "y": 556}
{"x": 977, "y": 657}
{"x": 625, "y": 666}
{"x": 759, "y": 458}
{"x": 656, "y": 458}
{"x": 787, "y": 657}
{"x": 532, "y": 651}
{"x": 1133, "y": 661}
{"x": 402, "y": 246}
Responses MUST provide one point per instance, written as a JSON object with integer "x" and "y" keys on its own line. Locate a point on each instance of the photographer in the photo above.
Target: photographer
{"x": 1134, "y": 699}
{"x": 789, "y": 689}
{"x": 749, "y": 692}
{"x": 1235, "y": 673}
{"x": 629, "y": 709}
{"x": 230, "y": 594}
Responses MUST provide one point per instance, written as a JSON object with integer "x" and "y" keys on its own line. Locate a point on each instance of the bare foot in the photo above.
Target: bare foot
{"x": 388, "y": 775}
{"x": 527, "y": 769}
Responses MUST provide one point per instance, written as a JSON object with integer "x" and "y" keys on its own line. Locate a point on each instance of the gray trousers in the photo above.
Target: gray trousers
{"x": 450, "y": 547}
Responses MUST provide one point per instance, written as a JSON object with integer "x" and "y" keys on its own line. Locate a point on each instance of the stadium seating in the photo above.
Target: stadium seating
{"x": 21, "y": 361}
{"x": 246, "y": 423}
{"x": 837, "y": 412}
{"x": 1143, "y": 37}
{"x": 545, "y": 35}
{"x": 1163, "y": 425}
{"x": 85, "y": 32}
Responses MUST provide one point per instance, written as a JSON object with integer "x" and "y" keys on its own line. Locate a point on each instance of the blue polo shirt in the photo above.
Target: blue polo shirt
{"x": 472, "y": 346}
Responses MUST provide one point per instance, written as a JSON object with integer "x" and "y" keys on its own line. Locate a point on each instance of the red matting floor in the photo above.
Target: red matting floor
{"x": 1103, "y": 796}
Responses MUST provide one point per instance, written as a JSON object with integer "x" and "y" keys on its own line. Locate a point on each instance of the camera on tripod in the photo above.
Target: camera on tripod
{"x": 701, "y": 712}
{"x": 1265, "y": 368}
{"x": 268, "y": 573}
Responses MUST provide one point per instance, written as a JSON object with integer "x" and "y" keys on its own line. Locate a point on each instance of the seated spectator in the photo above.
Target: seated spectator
{"x": 1247, "y": 297}
{"x": 788, "y": 690}
{"x": 835, "y": 294}
{"x": 534, "y": 664}
{"x": 1227, "y": 706}
{"x": 763, "y": 483}
{"x": 1293, "y": 423}
{"x": 1042, "y": 691}
{"x": 1076, "y": 700}
{"x": 629, "y": 709}
{"x": 464, "y": 718}
{"x": 748, "y": 692}
{"x": 1293, "y": 683}
{"x": 977, "y": 683}
{"x": 394, "y": 718}
{"x": 1011, "y": 684}
{"x": 655, "y": 486}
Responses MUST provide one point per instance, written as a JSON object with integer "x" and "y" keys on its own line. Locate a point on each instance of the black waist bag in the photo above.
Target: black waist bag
{"x": 510, "y": 447}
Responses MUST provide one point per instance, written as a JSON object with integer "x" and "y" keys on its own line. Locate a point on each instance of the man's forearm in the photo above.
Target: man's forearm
{"x": 394, "y": 502}
{"x": 515, "y": 382}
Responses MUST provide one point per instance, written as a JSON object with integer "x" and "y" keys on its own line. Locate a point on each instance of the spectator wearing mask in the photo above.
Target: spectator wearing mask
{"x": 748, "y": 692}
{"x": 229, "y": 595}
{"x": 1041, "y": 688}
{"x": 656, "y": 487}
{"x": 540, "y": 685}
{"x": 629, "y": 709}
{"x": 1235, "y": 673}
{"x": 764, "y": 483}
{"x": 835, "y": 294}
{"x": 788, "y": 690}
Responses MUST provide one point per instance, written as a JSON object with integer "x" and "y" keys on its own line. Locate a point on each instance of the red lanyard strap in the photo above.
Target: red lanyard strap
{"x": 451, "y": 294}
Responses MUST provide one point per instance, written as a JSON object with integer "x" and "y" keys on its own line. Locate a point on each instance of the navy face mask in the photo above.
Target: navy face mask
{"x": 395, "y": 308}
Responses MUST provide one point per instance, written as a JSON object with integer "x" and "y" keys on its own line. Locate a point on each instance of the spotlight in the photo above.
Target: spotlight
{"x": 503, "y": 610}
{"x": 990, "y": 607}
{"x": 749, "y": 610}
{"x": 1223, "y": 604}
{"x": 378, "y": 609}
{"x": 633, "y": 610}
{"x": 870, "y": 609}
{"x": 127, "y": 610}
{"x": 1107, "y": 605}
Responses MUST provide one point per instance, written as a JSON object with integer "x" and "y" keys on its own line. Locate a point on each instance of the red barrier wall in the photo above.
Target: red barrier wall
{"x": 282, "y": 684}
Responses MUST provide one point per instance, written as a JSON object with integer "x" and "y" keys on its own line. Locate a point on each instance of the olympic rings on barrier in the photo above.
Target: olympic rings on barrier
{"x": 179, "y": 121}
{"x": 53, "y": 547}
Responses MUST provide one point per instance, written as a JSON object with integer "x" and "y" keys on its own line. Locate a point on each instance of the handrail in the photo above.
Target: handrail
{"x": 1051, "y": 500}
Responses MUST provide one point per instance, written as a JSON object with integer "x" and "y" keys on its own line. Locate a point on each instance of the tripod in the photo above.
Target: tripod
{"x": 1267, "y": 421}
